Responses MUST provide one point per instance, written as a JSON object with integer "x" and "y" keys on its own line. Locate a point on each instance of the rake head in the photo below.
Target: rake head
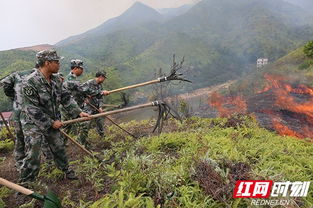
{"x": 174, "y": 68}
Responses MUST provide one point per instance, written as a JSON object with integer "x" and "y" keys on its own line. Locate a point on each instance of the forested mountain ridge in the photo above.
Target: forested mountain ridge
{"x": 220, "y": 40}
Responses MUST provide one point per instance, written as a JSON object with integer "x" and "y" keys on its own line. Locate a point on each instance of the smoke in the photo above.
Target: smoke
{"x": 305, "y": 4}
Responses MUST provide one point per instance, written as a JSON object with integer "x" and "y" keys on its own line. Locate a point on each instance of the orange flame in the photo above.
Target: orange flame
{"x": 283, "y": 97}
{"x": 226, "y": 106}
{"x": 284, "y": 130}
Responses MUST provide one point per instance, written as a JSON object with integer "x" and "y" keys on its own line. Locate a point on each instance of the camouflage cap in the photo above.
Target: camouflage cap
{"x": 101, "y": 74}
{"x": 77, "y": 63}
{"x": 48, "y": 55}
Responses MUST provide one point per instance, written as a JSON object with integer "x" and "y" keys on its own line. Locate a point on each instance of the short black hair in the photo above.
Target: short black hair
{"x": 101, "y": 74}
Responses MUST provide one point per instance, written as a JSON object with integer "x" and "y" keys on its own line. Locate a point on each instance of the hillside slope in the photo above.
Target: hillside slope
{"x": 193, "y": 164}
{"x": 137, "y": 14}
{"x": 296, "y": 66}
{"x": 280, "y": 96}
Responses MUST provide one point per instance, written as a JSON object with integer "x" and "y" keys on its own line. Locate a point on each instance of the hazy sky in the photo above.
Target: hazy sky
{"x": 31, "y": 22}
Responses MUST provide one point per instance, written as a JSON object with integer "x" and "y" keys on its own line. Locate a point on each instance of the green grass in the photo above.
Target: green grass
{"x": 165, "y": 170}
{"x": 6, "y": 145}
{"x": 160, "y": 170}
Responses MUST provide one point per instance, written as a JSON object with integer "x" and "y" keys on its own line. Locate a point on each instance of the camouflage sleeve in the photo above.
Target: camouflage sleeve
{"x": 89, "y": 91}
{"x": 71, "y": 85}
{"x": 32, "y": 108}
{"x": 69, "y": 103}
{"x": 8, "y": 85}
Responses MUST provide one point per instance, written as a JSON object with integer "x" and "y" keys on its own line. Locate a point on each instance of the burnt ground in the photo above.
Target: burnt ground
{"x": 214, "y": 184}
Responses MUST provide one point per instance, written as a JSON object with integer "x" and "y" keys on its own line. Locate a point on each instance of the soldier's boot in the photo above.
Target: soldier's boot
{"x": 70, "y": 175}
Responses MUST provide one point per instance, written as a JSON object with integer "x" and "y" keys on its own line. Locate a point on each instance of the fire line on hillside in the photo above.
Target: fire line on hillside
{"x": 281, "y": 106}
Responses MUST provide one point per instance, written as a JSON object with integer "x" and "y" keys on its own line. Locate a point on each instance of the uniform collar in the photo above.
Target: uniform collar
{"x": 43, "y": 79}
{"x": 72, "y": 74}
{"x": 93, "y": 81}
{"x": 41, "y": 76}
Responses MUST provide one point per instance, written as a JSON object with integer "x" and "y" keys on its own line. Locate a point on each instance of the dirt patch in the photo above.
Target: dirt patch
{"x": 235, "y": 121}
{"x": 211, "y": 182}
{"x": 238, "y": 170}
{"x": 140, "y": 150}
{"x": 70, "y": 192}
{"x": 214, "y": 184}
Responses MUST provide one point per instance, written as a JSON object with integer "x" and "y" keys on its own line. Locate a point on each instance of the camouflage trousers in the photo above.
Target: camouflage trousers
{"x": 33, "y": 141}
{"x": 84, "y": 129}
{"x": 19, "y": 148}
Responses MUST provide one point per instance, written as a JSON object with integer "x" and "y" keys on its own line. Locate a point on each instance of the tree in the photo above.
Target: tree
{"x": 308, "y": 49}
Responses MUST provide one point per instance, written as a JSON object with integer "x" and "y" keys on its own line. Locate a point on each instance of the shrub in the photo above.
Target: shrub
{"x": 305, "y": 65}
{"x": 6, "y": 145}
{"x": 308, "y": 49}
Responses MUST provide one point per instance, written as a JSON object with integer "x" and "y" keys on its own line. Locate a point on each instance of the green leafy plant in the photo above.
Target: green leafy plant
{"x": 6, "y": 145}
{"x": 308, "y": 49}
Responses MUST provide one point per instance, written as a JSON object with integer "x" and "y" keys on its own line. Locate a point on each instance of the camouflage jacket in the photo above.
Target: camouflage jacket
{"x": 81, "y": 91}
{"x": 73, "y": 85}
{"x": 71, "y": 77}
{"x": 41, "y": 100}
{"x": 95, "y": 98}
{"x": 12, "y": 88}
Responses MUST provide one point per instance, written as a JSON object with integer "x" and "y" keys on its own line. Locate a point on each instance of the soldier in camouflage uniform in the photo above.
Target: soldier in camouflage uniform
{"x": 79, "y": 92}
{"x": 92, "y": 105}
{"x": 12, "y": 88}
{"x": 72, "y": 84}
{"x": 43, "y": 92}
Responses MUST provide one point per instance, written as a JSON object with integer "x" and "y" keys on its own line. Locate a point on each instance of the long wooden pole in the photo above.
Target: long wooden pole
{"x": 50, "y": 200}
{"x": 76, "y": 143}
{"x": 136, "y": 85}
{"x": 15, "y": 187}
{"x": 106, "y": 117}
{"x": 110, "y": 113}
